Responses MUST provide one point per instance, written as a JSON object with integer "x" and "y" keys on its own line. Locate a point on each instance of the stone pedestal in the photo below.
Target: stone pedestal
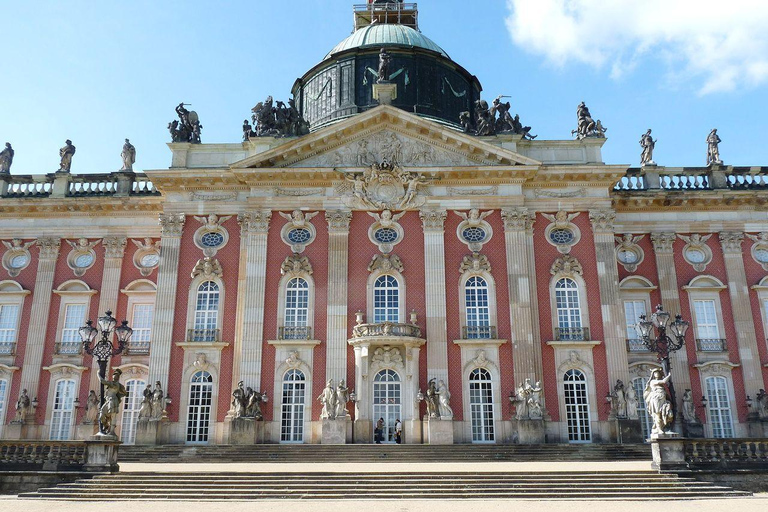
{"x": 15, "y": 431}
{"x": 412, "y": 432}
{"x": 628, "y": 431}
{"x": 696, "y": 430}
{"x": 363, "y": 432}
{"x": 437, "y": 431}
{"x": 244, "y": 431}
{"x": 668, "y": 452}
{"x": 530, "y": 431}
{"x": 151, "y": 432}
{"x": 334, "y": 431}
{"x": 86, "y": 430}
{"x": 385, "y": 93}
{"x": 101, "y": 454}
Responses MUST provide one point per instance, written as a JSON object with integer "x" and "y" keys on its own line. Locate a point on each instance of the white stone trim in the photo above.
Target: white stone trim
{"x": 192, "y": 301}
{"x": 724, "y": 369}
{"x": 294, "y": 354}
{"x": 15, "y": 248}
{"x": 481, "y": 354}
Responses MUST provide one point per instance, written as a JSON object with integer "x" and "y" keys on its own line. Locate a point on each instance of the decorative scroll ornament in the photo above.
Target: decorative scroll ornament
{"x": 696, "y": 252}
{"x": 474, "y": 264}
{"x": 254, "y": 222}
{"x": 172, "y": 224}
{"x": 114, "y": 247}
{"x": 386, "y": 232}
{"x": 387, "y": 357}
{"x": 760, "y": 248}
{"x": 566, "y": 265}
{"x": 628, "y": 253}
{"x": 293, "y": 360}
{"x": 211, "y": 236}
{"x": 384, "y": 186}
{"x": 212, "y": 196}
{"x": 385, "y": 263}
{"x": 296, "y": 265}
{"x": 298, "y": 192}
{"x": 201, "y": 362}
{"x": 474, "y": 231}
{"x": 17, "y": 257}
{"x": 207, "y": 267}
{"x": 562, "y": 232}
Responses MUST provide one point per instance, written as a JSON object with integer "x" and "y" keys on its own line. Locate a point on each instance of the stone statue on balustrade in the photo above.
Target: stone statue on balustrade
{"x": 91, "y": 408}
{"x": 66, "y": 153}
{"x": 145, "y": 408}
{"x": 128, "y": 155}
{"x": 689, "y": 409}
{"x": 444, "y": 397}
{"x": 619, "y": 400}
{"x": 330, "y": 400}
{"x": 527, "y": 401}
{"x": 158, "y": 402}
{"x": 648, "y": 144}
{"x": 657, "y": 402}
{"x": 342, "y": 395}
{"x": 632, "y": 403}
{"x": 713, "y": 148}
{"x": 23, "y": 407}
{"x": 187, "y": 128}
{"x": 6, "y": 159}
{"x": 114, "y": 392}
{"x": 275, "y": 120}
{"x": 761, "y": 401}
{"x": 238, "y": 401}
{"x": 586, "y": 126}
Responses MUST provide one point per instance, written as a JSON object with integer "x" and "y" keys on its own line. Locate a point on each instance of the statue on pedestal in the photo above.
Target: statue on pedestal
{"x": 91, "y": 408}
{"x": 648, "y": 144}
{"x": 632, "y": 404}
{"x": 6, "y": 159}
{"x": 128, "y": 155}
{"x": 385, "y": 61}
{"x": 342, "y": 393}
{"x": 187, "y": 128}
{"x": 587, "y": 127}
{"x": 145, "y": 408}
{"x": 66, "y": 153}
{"x": 330, "y": 401}
{"x": 657, "y": 403}
{"x": 762, "y": 404}
{"x": 23, "y": 407}
{"x": 114, "y": 392}
{"x": 689, "y": 409}
{"x": 619, "y": 401}
{"x": 431, "y": 398}
{"x": 252, "y": 401}
{"x": 713, "y": 148}
{"x": 238, "y": 401}
{"x": 444, "y": 396}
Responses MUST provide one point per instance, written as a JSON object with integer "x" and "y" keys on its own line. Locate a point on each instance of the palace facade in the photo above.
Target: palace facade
{"x": 395, "y": 241}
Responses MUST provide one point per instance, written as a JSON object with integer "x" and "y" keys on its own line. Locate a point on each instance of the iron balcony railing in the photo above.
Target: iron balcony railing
{"x": 572, "y": 334}
{"x": 472, "y": 332}
{"x": 636, "y": 345}
{"x": 7, "y": 348}
{"x": 386, "y": 329}
{"x": 710, "y": 345}
{"x": 137, "y": 348}
{"x": 203, "y": 335}
{"x": 68, "y": 348}
{"x": 293, "y": 332}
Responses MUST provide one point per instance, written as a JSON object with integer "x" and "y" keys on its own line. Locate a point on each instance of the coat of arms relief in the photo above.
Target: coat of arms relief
{"x": 384, "y": 186}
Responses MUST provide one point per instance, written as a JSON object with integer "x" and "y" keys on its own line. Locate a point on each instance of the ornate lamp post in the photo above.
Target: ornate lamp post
{"x": 103, "y": 350}
{"x": 662, "y": 344}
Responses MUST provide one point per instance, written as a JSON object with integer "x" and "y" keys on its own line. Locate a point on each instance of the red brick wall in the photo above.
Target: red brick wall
{"x": 755, "y": 274}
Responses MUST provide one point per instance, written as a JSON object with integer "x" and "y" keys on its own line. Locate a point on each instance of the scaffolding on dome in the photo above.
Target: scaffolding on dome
{"x": 397, "y": 13}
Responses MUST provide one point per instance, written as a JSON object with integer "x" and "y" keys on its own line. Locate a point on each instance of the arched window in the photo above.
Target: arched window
{"x": 481, "y": 405}
{"x": 568, "y": 310}
{"x": 386, "y": 401}
{"x": 292, "y": 412}
{"x": 206, "y": 312}
{"x": 199, "y": 408}
{"x": 719, "y": 407}
{"x": 577, "y": 407}
{"x": 477, "y": 308}
{"x": 63, "y": 410}
{"x": 131, "y": 406}
{"x": 3, "y": 402}
{"x": 642, "y": 412}
{"x": 386, "y": 299}
{"x": 296, "y": 308}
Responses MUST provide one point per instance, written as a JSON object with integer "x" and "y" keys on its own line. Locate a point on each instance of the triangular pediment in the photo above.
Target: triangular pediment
{"x": 383, "y": 134}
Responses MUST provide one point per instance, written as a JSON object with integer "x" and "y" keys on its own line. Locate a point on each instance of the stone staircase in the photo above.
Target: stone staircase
{"x": 221, "y": 486}
{"x": 386, "y": 453}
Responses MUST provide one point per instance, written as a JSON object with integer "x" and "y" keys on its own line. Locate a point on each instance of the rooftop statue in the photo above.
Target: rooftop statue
{"x": 587, "y": 127}
{"x": 6, "y": 159}
{"x": 647, "y": 143}
{"x": 66, "y": 153}
{"x": 713, "y": 149}
{"x": 486, "y": 122}
{"x": 128, "y": 155}
{"x": 272, "y": 119}
{"x": 187, "y": 128}
{"x": 385, "y": 60}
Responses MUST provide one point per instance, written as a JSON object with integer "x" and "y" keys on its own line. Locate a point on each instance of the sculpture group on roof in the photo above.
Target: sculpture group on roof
{"x": 486, "y": 122}
{"x": 587, "y": 127}
{"x": 187, "y": 128}
{"x": 275, "y": 120}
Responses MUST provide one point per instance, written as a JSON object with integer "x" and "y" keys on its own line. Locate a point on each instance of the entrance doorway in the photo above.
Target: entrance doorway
{"x": 577, "y": 407}
{"x": 386, "y": 401}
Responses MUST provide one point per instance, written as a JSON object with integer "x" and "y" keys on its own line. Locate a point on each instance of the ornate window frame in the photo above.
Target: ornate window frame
{"x": 474, "y": 219}
{"x": 297, "y": 219}
{"x": 6, "y": 374}
{"x": 486, "y": 355}
{"x": 201, "y": 274}
{"x": 146, "y": 248}
{"x": 13, "y": 294}
{"x": 635, "y": 288}
{"x": 62, "y": 371}
{"x": 370, "y": 287}
{"x": 760, "y": 244}
{"x": 628, "y": 243}
{"x": 562, "y": 220}
{"x": 186, "y": 382}
{"x": 211, "y": 224}
{"x": 573, "y": 358}
{"x": 762, "y": 296}
{"x": 706, "y": 287}
{"x": 16, "y": 248}
{"x": 473, "y": 266}
{"x": 140, "y": 292}
{"x": 721, "y": 368}
{"x": 72, "y": 292}
{"x": 386, "y": 220}
{"x": 302, "y": 271}
{"x": 294, "y": 354}
{"x": 79, "y": 249}
{"x": 131, "y": 371}
{"x": 697, "y": 242}
{"x": 568, "y": 267}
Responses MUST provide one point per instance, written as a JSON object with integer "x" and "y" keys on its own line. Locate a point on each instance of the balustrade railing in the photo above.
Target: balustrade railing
{"x": 636, "y": 345}
{"x": 386, "y": 329}
{"x": 746, "y": 181}
{"x": 143, "y": 186}
{"x": 137, "y": 348}
{"x": 21, "y": 455}
{"x": 688, "y": 178}
{"x": 726, "y": 453}
{"x": 7, "y": 348}
{"x": 93, "y": 185}
{"x": 471, "y": 332}
{"x": 68, "y": 349}
{"x": 710, "y": 345}
{"x": 26, "y": 186}
{"x": 203, "y": 335}
{"x": 76, "y": 185}
{"x": 287, "y": 332}
{"x": 571, "y": 333}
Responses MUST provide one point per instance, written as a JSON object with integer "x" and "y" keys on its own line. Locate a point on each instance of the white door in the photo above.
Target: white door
{"x": 131, "y": 406}
{"x": 577, "y": 407}
{"x": 292, "y": 411}
{"x": 63, "y": 410}
{"x": 719, "y": 407}
{"x": 386, "y": 401}
{"x": 481, "y": 406}
{"x": 199, "y": 409}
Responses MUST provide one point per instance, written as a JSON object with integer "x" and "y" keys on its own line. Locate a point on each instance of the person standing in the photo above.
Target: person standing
{"x": 398, "y": 431}
{"x": 378, "y": 432}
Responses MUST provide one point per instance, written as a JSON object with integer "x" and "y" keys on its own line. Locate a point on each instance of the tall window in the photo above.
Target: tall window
{"x": 386, "y": 300}
{"x": 577, "y": 407}
{"x": 3, "y": 402}
{"x": 131, "y": 406}
{"x": 292, "y": 411}
{"x": 199, "y": 408}
{"x": 568, "y": 309}
{"x": 296, "y": 302}
{"x": 9, "y": 317}
{"x": 74, "y": 318}
{"x": 632, "y": 311}
{"x": 642, "y": 412}
{"x": 387, "y": 402}
{"x": 719, "y": 407}
{"x": 142, "y": 324}
{"x": 477, "y": 309}
{"x": 63, "y": 410}
{"x": 706, "y": 319}
{"x": 206, "y": 312}
{"x": 481, "y": 405}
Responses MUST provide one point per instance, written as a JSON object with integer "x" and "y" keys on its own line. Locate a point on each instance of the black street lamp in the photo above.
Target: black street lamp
{"x": 662, "y": 344}
{"x": 103, "y": 350}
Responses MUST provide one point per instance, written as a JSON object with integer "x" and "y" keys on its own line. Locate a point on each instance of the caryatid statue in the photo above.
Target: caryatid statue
{"x": 713, "y": 149}
{"x": 6, "y": 159}
{"x": 128, "y": 155}
{"x": 114, "y": 392}
{"x": 66, "y": 153}
{"x": 647, "y": 143}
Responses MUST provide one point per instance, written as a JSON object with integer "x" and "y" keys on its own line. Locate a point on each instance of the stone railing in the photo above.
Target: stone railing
{"x": 571, "y": 333}
{"x": 203, "y": 335}
{"x": 58, "y": 455}
{"x": 693, "y": 178}
{"x": 7, "y": 348}
{"x": 60, "y": 184}
{"x": 471, "y": 332}
{"x": 710, "y": 345}
{"x": 677, "y": 453}
{"x": 294, "y": 333}
{"x": 636, "y": 345}
{"x": 68, "y": 349}
{"x": 386, "y": 329}
{"x": 137, "y": 348}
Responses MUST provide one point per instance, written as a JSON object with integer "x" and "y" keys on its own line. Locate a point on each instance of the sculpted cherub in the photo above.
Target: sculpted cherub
{"x": 213, "y": 221}
{"x": 561, "y": 219}
{"x": 695, "y": 239}
{"x": 475, "y": 263}
{"x": 386, "y": 219}
{"x": 474, "y": 217}
{"x": 296, "y": 264}
{"x": 627, "y": 239}
{"x": 83, "y": 244}
{"x": 147, "y": 244}
{"x": 385, "y": 263}
{"x": 18, "y": 244}
{"x": 207, "y": 267}
{"x": 298, "y": 218}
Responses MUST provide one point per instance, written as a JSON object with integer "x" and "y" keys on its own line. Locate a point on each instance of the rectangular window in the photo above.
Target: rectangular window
{"x": 9, "y": 317}
{"x": 142, "y": 322}
{"x": 706, "y": 320}
{"x": 63, "y": 409}
{"x": 632, "y": 311}
{"x": 74, "y": 318}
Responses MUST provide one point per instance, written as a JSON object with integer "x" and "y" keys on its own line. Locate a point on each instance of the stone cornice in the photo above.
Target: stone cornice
{"x": 709, "y": 200}
{"x": 89, "y": 206}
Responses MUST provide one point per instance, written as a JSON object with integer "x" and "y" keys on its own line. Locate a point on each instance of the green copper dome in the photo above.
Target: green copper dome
{"x": 386, "y": 35}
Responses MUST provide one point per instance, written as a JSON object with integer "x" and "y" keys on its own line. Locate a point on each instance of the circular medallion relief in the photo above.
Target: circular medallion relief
{"x": 695, "y": 256}
{"x": 84, "y": 260}
{"x": 628, "y": 256}
{"x": 761, "y": 254}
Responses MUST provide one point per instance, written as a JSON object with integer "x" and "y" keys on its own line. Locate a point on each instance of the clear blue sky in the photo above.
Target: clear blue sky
{"x": 98, "y": 72}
